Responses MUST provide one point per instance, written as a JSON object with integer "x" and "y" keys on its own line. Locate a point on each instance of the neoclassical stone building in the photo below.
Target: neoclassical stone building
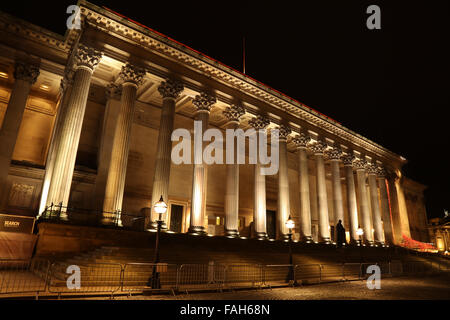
{"x": 87, "y": 120}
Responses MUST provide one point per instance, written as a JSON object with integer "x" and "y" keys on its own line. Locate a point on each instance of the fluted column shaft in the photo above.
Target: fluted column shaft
{"x": 198, "y": 202}
{"x": 25, "y": 75}
{"x": 259, "y": 206}
{"x": 54, "y": 144}
{"x": 115, "y": 183}
{"x": 284, "y": 208}
{"x": 364, "y": 205}
{"x": 337, "y": 192}
{"x": 377, "y": 224}
{"x": 324, "y": 230}
{"x": 72, "y": 121}
{"x": 385, "y": 211}
{"x": 232, "y": 192}
{"x": 351, "y": 203}
{"x": 305, "y": 214}
{"x": 169, "y": 90}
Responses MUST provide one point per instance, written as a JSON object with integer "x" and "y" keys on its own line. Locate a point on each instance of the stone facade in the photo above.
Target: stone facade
{"x": 100, "y": 142}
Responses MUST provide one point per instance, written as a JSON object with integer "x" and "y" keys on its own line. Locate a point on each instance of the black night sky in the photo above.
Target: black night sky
{"x": 390, "y": 85}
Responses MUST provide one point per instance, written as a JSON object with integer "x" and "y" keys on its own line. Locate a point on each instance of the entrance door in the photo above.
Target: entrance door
{"x": 176, "y": 218}
{"x": 271, "y": 224}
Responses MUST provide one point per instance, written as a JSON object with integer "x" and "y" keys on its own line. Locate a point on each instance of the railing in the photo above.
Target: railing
{"x": 42, "y": 277}
{"x": 88, "y": 217}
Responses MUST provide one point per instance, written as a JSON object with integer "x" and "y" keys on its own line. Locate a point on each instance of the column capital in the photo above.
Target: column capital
{"x": 372, "y": 169}
{"x": 259, "y": 122}
{"x": 25, "y": 71}
{"x": 170, "y": 88}
{"x": 113, "y": 91}
{"x": 381, "y": 172}
{"x": 234, "y": 112}
{"x": 334, "y": 153}
{"x": 284, "y": 132}
{"x": 301, "y": 140}
{"x": 132, "y": 74}
{"x": 348, "y": 159}
{"x": 204, "y": 102}
{"x": 87, "y": 57}
{"x": 319, "y": 147}
{"x": 360, "y": 164}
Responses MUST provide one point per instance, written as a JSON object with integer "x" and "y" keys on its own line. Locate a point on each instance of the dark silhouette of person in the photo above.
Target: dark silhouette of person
{"x": 340, "y": 230}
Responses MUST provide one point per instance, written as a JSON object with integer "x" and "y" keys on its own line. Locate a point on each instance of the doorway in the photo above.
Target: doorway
{"x": 176, "y": 218}
{"x": 271, "y": 225}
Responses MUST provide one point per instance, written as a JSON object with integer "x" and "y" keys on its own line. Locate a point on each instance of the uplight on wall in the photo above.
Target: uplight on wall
{"x": 3, "y": 75}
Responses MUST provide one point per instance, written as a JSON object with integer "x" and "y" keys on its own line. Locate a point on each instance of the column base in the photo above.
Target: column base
{"x": 369, "y": 243}
{"x": 307, "y": 239}
{"x": 197, "y": 231}
{"x": 325, "y": 241}
{"x": 380, "y": 243}
{"x": 261, "y": 236}
{"x": 232, "y": 233}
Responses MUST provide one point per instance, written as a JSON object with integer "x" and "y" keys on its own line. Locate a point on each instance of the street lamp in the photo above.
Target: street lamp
{"x": 160, "y": 208}
{"x": 290, "y": 224}
{"x": 360, "y": 233}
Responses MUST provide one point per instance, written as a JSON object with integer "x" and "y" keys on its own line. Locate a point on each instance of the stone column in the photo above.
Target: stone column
{"x": 170, "y": 90}
{"x": 113, "y": 95}
{"x": 351, "y": 198}
{"x": 372, "y": 171}
{"x": 132, "y": 77}
{"x": 284, "y": 208}
{"x": 86, "y": 59}
{"x": 360, "y": 166}
{"x": 259, "y": 123}
{"x": 301, "y": 142}
{"x": 233, "y": 114}
{"x": 25, "y": 76}
{"x": 66, "y": 88}
{"x": 335, "y": 156}
{"x": 203, "y": 103}
{"x": 385, "y": 211}
{"x": 324, "y": 224}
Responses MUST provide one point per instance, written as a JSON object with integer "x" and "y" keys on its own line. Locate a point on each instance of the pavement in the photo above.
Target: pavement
{"x": 401, "y": 288}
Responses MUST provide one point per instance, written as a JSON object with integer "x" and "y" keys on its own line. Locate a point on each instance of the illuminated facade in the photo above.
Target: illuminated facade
{"x": 87, "y": 120}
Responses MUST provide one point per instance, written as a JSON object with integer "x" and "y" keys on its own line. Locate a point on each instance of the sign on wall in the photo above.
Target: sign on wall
{"x": 13, "y": 223}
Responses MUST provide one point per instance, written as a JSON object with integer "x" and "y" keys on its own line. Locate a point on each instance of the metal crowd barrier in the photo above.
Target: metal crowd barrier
{"x": 137, "y": 276}
{"x": 243, "y": 276}
{"x": 95, "y": 278}
{"x": 308, "y": 273}
{"x": 277, "y": 275}
{"x": 193, "y": 277}
{"x": 39, "y": 276}
{"x": 23, "y": 276}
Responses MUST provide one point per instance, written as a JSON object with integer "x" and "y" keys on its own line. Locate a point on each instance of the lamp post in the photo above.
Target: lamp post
{"x": 290, "y": 224}
{"x": 360, "y": 233}
{"x": 160, "y": 209}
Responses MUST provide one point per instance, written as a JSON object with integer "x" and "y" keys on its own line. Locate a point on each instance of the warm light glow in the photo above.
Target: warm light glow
{"x": 3, "y": 75}
{"x": 290, "y": 224}
{"x": 359, "y": 232}
{"x": 160, "y": 206}
{"x": 217, "y": 221}
{"x": 44, "y": 87}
